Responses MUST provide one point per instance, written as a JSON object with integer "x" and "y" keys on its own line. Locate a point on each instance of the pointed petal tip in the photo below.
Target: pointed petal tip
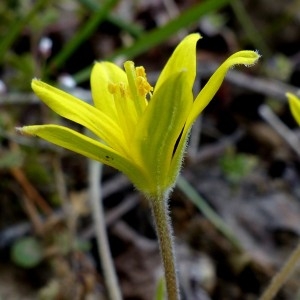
{"x": 245, "y": 57}
{"x": 190, "y": 38}
{"x": 290, "y": 96}
{"x": 254, "y": 55}
{"x": 35, "y": 79}
{"x": 19, "y": 130}
{"x": 294, "y": 103}
{"x": 24, "y": 130}
{"x": 293, "y": 99}
{"x": 193, "y": 36}
{"x": 35, "y": 82}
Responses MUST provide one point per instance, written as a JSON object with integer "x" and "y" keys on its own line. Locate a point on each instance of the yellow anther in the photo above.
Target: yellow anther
{"x": 143, "y": 86}
{"x": 137, "y": 94}
{"x": 118, "y": 89}
{"x": 140, "y": 72}
{"x": 112, "y": 88}
{"x": 122, "y": 89}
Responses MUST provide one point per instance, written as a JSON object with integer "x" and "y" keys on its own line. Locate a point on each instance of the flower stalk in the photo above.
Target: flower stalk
{"x": 282, "y": 276}
{"x": 160, "y": 211}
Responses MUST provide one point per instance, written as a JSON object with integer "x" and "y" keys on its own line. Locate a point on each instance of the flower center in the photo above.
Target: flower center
{"x": 131, "y": 100}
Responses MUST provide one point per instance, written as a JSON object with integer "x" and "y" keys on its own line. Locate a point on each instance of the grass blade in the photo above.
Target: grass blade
{"x": 155, "y": 37}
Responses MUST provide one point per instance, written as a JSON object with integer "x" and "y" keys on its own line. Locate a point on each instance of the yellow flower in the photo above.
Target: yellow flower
{"x": 294, "y": 103}
{"x": 142, "y": 131}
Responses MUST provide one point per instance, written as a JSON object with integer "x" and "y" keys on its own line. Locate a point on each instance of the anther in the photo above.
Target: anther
{"x": 112, "y": 88}
{"x": 122, "y": 89}
{"x": 140, "y": 71}
{"x": 143, "y": 86}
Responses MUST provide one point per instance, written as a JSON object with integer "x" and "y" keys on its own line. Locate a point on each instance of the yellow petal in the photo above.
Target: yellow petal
{"x": 82, "y": 113}
{"x": 247, "y": 58}
{"x": 79, "y": 143}
{"x": 206, "y": 94}
{"x": 103, "y": 74}
{"x": 182, "y": 59}
{"x": 294, "y": 103}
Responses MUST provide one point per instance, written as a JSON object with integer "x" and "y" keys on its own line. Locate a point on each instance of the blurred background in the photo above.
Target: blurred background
{"x": 236, "y": 208}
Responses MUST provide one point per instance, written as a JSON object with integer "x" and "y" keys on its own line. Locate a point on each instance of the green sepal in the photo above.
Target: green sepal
{"x": 160, "y": 129}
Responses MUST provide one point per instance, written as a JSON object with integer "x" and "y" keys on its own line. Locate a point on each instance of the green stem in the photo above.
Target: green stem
{"x": 281, "y": 277}
{"x": 165, "y": 237}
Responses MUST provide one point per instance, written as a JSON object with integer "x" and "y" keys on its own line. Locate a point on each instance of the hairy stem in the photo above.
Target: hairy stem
{"x": 281, "y": 277}
{"x": 165, "y": 237}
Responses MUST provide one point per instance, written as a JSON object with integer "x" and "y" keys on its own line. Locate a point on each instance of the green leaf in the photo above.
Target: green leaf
{"x": 85, "y": 31}
{"x": 157, "y": 36}
{"x": 160, "y": 290}
{"x": 27, "y": 252}
{"x": 236, "y": 166}
{"x": 16, "y": 27}
{"x": 207, "y": 211}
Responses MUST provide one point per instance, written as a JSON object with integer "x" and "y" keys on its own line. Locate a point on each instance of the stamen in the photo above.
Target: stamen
{"x": 131, "y": 76}
{"x": 112, "y": 88}
{"x": 143, "y": 86}
{"x": 122, "y": 89}
{"x": 140, "y": 71}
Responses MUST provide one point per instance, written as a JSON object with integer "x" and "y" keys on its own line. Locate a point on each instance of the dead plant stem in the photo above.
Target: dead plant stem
{"x": 109, "y": 273}
{"x": 281, "y": 277}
